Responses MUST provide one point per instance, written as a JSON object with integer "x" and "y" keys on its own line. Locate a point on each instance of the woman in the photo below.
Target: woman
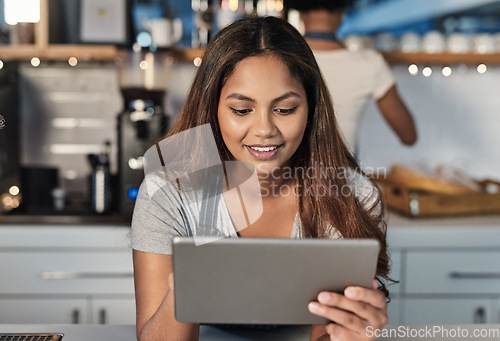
{"x": 353, "y": 77}
{"x": 260, "y": 91}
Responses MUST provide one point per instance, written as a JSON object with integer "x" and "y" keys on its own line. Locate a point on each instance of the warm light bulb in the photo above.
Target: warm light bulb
{"x": 16, "y": 11}
{"x": 35, "y": 61}
{"x": 233, "y": 5}
{"x": 14, "y": 190}
{"x": 413, "y": 69}
{"x": 197, "y": 61}
{"x": 481, "y": 68}
{"x": 446, "y": 71}
{"x": 144, "y": 65}
{"x": 1, "y": 65}
{"x": 427, "y": 71}
{"x": 72, "y": 61}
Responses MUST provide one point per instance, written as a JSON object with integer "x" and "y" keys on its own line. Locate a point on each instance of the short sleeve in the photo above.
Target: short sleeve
{"x": 383, "y": 77}
{"x": 157, "y": 219}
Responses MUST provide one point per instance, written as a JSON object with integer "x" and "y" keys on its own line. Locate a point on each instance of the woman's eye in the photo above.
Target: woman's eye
{"x": 240, "y": 111}
{"x": 286, "y": 111}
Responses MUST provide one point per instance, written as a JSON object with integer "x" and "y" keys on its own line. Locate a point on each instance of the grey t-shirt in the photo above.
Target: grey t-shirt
{"x": 163, "y": 211}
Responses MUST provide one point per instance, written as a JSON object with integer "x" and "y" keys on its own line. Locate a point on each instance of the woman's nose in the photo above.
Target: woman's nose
{"x": 263, "y": 125}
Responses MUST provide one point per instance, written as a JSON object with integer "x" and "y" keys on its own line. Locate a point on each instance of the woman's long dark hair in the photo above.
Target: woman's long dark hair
{"x": 322, "y": 146}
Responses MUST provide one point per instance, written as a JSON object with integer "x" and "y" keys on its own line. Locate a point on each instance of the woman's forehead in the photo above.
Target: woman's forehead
{"x": 264, "y": 74}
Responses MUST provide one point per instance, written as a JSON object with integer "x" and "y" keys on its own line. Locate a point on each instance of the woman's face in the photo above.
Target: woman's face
{"x": 262, "y": 113}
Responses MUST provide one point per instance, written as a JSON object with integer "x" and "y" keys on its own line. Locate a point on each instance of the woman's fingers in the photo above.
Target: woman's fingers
{"x": 373, "y": 297}
{"x": 335, "y": 306}
{"x": 339, "y": 316}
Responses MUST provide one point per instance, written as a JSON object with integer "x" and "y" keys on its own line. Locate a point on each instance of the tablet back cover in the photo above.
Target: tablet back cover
{"x": 265, "y": 280}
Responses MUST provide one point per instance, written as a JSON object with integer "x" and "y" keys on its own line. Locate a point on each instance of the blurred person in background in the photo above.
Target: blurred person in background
{"x": 353, "y": 77}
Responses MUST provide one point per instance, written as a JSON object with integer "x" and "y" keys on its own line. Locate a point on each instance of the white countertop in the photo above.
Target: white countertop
{"x": 294, "y": 333}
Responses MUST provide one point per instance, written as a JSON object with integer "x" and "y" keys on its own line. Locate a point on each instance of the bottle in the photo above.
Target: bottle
{"x": 100, "y": 181}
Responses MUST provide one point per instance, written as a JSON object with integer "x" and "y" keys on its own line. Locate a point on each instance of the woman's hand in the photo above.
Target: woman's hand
{"x": 352, "y": 312}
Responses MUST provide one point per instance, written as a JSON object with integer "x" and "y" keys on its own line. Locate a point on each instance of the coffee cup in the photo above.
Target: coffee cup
{"x": 164, "y": 32}
{"x": 433, "y": 42}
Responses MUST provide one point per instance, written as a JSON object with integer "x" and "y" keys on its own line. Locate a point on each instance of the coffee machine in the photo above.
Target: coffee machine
{"x": 140, "y": 126}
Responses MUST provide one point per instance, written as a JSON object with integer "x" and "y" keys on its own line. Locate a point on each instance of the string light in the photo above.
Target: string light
{"x": 446, "y": 71}
{"x": 481, "y": 68}
{"x": 35, "y": 61}
{"x": 72, "y": 61}
{"x": 144, "y": 65}
{"x": 14, "y": 190}
{"x": 413, "y": 69}
{"x": 197, "y": 61}
{"x": 427, "y": 71}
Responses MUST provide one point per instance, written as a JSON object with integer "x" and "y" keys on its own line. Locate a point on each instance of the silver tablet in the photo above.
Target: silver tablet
{"x": 265, "y": 280}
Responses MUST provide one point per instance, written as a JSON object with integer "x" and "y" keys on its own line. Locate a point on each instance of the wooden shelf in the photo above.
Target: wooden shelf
{"x": 392, "y": 57}
{"x": 442, "y": 58}
{"x": 187, "y": 54}
{"x": 59, "y": 52}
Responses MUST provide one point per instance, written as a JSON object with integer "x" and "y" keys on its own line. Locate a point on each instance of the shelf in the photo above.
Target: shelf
{"x": 442, "y": 58}
{"x": 59, "y": 52}
{"x": 187, "y": 54}
{"x": 392, "y": 57}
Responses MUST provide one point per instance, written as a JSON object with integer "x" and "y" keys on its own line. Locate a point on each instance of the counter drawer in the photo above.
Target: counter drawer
{"x": 97, "y": 272}
{"x": 453, "y": 272}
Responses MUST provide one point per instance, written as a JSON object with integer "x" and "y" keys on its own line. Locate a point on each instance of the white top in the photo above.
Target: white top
{"x": 353, "y": 78}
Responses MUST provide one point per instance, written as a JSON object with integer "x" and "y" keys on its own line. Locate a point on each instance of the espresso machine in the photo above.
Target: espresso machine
{"x": 140, "y": 126}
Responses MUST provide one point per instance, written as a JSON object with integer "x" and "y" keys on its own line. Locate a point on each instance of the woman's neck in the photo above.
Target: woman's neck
{"x": 321, "y": 20}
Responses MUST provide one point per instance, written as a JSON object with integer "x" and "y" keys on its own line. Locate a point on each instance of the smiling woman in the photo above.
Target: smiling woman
{"x": 262, "y": 123}
{"x": 260, "y": 92}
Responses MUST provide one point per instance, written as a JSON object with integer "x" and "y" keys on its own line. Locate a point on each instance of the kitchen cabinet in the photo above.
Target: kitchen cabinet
{"x": 66, "y": 274}
{"x": 448, "y": 270}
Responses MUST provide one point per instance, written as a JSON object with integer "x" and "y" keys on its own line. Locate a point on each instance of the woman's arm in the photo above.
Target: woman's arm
{"x": 351, "y": 314}
{"x": 154, "y": 296}
{"x": 398, "y": 116}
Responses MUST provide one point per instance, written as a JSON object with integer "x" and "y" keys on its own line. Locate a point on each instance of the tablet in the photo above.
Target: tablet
{"x": 265, "y": 280}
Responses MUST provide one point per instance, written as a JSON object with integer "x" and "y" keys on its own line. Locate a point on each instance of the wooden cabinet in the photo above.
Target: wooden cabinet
{"x": 66, "y": 274}
{"x": 448, "y": 271}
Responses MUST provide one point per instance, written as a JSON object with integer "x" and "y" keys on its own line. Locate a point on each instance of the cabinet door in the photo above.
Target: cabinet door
{"x": 113, "y": 311}
{"x": 102, "y": 271}
{"x": 396, "y": 257}
{"x": 452, "y": 272}
{"x": 447, "y": 311}
{"x": 394, "y": 311}
{"x": 37, "y": 310}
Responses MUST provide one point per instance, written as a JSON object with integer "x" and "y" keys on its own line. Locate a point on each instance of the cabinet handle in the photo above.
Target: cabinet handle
{"x": 480, "y": 315}
{"x": 102, "y": 316}
{"x": 75, "y": 316}
{"x": 471, "y": 275}
{"x": 76, "y": 274}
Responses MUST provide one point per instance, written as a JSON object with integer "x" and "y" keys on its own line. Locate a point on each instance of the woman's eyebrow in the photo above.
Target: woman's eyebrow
{"x": 241, "y": 97}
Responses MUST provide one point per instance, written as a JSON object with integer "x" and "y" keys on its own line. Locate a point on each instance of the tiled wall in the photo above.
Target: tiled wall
{"x": 457, "y": 117}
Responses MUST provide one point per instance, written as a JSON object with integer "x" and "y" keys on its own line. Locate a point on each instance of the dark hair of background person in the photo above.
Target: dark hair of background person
{"x": 307, "y": 5}
{"x": 321, "y": 146}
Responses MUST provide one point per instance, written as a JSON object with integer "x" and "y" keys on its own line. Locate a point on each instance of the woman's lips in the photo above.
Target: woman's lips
{"x": 263, "y": 152}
